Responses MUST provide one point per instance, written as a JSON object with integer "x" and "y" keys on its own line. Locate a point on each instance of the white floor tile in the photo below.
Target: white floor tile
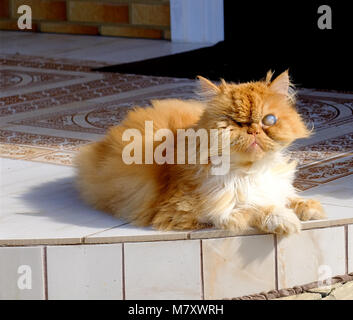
{"x": 238, "y": 266}
{"x": 350, "y": 248}
{"x": 336, "y": 215}
{"x": 21, "y": 273}
{"x": 338, "y": 192}
{"x": 39, "y": 204}
{"x": 312, "y": 255}
{"x": 163, "y": 270}
{"x": 85, "y": 272}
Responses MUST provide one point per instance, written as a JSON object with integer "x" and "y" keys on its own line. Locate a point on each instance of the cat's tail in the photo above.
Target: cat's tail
{"x": 89, "y": 180}
{"x": 109, "y": 185}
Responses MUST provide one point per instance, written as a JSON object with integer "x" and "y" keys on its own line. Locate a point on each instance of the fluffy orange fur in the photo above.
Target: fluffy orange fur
{"x": 256, "y": 192}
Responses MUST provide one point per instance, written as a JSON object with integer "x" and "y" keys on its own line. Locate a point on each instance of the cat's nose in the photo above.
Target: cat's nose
{"x": 254, "y": 129}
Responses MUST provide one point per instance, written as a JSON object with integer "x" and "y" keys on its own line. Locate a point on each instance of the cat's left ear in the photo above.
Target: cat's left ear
{"x": 269, "y": 75}
{"x": 207, "y": 87}
{"x": 281, "y": 84}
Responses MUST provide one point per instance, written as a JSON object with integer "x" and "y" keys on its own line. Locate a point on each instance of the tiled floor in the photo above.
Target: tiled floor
{"x": 40, "y": 205}
{"x": 49, "y": 106}
{"x": 107, "y": 50}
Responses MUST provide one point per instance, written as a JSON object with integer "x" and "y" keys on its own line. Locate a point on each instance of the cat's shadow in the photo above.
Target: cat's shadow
{"x": 59, "y": 200}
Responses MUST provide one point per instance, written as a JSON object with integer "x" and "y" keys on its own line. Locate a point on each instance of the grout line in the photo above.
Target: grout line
{"x": 45, "y": 269}
{"x": 346, "y": 246}
{"x": 334, "y": 224}
{"x": 276, "y": 260}
{"x": 53, "y": 243}
{"x": 202, "y": 273}
{"x": 113, "y": 227}
{"x": 123, "y": 269}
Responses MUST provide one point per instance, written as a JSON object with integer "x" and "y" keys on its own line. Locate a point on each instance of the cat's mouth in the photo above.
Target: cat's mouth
{"x": 255, "y": 146}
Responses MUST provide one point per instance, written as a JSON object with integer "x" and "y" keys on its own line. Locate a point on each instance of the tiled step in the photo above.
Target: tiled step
{"x": 178, "y": 269}
{"x": 60, "y": 248}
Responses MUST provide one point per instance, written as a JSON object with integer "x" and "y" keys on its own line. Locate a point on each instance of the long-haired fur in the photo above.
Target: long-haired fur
{"x": 256, "y": 192}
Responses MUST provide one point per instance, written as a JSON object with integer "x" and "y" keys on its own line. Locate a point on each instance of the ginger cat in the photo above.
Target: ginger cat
{"x": 256, "y": 191}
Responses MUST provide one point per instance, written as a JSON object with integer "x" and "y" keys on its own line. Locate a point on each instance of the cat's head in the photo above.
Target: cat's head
{"x": 261, "y": 116}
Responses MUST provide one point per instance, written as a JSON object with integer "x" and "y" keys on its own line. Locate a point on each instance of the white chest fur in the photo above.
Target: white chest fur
{"x": 269, "y": 183}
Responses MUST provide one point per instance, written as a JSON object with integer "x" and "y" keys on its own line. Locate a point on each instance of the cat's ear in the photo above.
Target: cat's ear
{"x": 269, "y": 75}
{"x": 281, "y": 84}
{"x": 207, "y": 87}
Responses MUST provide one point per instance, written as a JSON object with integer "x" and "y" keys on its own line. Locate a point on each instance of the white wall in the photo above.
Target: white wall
{"x": 199, "y": 21}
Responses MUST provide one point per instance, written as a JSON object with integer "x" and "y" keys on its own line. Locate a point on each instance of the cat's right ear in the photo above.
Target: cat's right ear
{"x": 208, "y": 88}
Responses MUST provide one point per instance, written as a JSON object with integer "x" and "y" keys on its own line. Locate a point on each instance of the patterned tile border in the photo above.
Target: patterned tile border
{"x": 40, "y": 140}
{"x": 49, "y": 63}
{"x": 11, "y": 78}
{"x": 98, "y": 117}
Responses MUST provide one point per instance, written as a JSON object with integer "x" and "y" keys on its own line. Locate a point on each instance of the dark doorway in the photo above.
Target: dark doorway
{"x": 268, "y": 35}
{"x": 285, "y": 34}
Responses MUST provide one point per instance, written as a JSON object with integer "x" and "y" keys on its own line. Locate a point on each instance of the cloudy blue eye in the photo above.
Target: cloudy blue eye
{"x": 269, "y": 120}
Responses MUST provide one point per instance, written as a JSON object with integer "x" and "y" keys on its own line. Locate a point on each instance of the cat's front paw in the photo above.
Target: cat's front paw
{"x": 281, "y": 221}
{"x": 307, "y": 209}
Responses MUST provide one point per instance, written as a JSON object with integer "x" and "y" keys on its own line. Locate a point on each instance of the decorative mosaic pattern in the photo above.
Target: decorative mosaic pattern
{"x": 327, "y": 171}
{"x": 323, "y": 150}
{"x": 98, "y": 117}
{"x": 48, "y": 63}
{"x": 316, "y": 112}
{"x": 41, "y": 140}
{"x": 48, "y": 124}
{"x": 10, "y": 79}
{"x": 109, "y": 85}
{"x": 21, "y": 152}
